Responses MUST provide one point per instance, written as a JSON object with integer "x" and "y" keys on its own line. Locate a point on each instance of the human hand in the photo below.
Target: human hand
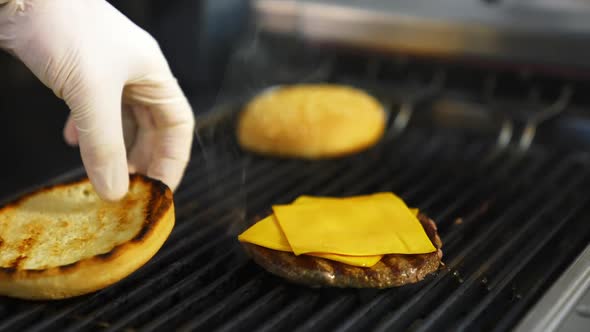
{"x": 101, "y": 64}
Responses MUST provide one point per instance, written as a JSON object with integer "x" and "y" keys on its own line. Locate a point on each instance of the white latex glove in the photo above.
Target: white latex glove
{"x": 100, "y": 63}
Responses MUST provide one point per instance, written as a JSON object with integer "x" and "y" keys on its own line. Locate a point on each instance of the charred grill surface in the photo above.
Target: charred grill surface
{"x": 510, "y": 219}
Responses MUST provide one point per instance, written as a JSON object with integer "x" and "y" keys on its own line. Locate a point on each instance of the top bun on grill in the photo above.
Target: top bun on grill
{"x": 311, "y": 121}
{"x": 64, "y": 241}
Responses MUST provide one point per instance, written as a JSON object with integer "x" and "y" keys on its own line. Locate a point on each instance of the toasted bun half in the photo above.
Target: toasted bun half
{"x": 64, "y": 241}
{"x": 311, "y": 121}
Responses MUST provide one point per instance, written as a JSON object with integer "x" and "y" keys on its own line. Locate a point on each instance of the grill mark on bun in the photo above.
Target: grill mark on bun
{"x": 159, "y": 202}
{"x": 68, "y": 266}
{"x": 17, "y": 261}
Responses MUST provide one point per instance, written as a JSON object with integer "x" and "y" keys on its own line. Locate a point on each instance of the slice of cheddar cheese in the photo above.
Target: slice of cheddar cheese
{"x": 268, "y": 234}
{"x": 363, "y": 261}
{"x": 312, "y": 199}
{"x": 368, "y": 225}
{"x": 319, "y": 199}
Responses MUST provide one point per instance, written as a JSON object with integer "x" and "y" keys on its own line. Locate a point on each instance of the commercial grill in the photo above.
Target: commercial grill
{"x": 497, "y": 157}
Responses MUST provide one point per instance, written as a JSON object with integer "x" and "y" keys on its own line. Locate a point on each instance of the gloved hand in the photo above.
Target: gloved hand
{"x": 101, "y": 64}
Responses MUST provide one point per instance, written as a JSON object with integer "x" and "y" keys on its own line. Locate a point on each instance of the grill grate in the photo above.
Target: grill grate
{"x": 509, "y": 220}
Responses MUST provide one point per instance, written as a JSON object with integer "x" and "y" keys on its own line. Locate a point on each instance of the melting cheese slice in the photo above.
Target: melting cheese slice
{"x": 368, "y": 225}
{"x": 319, "y": 199}
{"x": 268, "y": 234}
{"x": 312, "y": 199}
{"x": 364, "y": 261}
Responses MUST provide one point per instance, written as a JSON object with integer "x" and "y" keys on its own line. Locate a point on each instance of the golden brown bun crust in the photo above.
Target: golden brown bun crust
{"x": 97, "y": 272}
{"x": 311, "y": 121}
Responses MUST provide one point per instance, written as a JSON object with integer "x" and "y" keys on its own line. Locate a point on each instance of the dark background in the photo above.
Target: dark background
{"x": 197, "y": 38}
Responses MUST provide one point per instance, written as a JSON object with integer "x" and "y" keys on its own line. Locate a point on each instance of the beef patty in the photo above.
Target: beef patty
{"x": 391, "y": 271}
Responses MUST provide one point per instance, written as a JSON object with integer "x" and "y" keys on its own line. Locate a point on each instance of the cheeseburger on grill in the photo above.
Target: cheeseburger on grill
{"x": 372, "y": 241}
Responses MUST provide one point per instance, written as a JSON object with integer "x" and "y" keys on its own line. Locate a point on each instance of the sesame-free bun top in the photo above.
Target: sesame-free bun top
{"x": 64, "y": 241}
{"x": 311, "y": 121}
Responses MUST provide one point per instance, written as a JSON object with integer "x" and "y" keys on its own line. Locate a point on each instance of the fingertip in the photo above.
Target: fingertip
{"x": 70, "y": 141}
{"x": 111, "y": 187}
{"x": 109, "y": 175}
{"x": 169, "y": 171}
{"x": 70, "y": 133}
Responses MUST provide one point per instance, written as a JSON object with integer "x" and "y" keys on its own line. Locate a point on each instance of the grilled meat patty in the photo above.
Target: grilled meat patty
{"x": 393, "y": 270}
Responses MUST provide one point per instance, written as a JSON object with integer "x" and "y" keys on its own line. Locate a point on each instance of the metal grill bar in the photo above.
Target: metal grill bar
{"x": 212, "y": 317}
{"x": 415, "y": 306}
{"x": 349, "y": 177}
{"x": 323, "y": 319}
{"x": 434, "y": 180}
{"x": 405, "y": 175}
{"x": 178, "y": 245}
{"x": 452, "y": 237}
{"x": 45, "y": 324}
{"x": 18, "y": 321}
{"x": 190, "y": 240}
{"x": 186, "y": 284}
{"x": 292, "y": 314}
{"x": 487, "y": 182}
{"x": 263, "y": 307}
{"x": 338, "y": 185}
{"x": 511, "y": 213}
{"x": 549, "y": 254}
{"x": 381, "y": 301}
{"x": 222, "y": 184}
{"x": 284, "y": 169}
{"x": 195, "y": 298}
{"x": 447, "y": 310}
{"x": 518, "y": 263}
{"x": 498, "y": 171}
{"x": 201, "y": 280}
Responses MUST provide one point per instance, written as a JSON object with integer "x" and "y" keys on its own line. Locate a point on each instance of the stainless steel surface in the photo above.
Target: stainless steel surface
{"x": 534, "y": 31}
{"x": 564, "y": 307}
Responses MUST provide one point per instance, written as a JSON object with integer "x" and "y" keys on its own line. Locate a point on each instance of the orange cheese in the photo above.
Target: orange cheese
{"x": 311, "y": 199}
{"x": 368, "y": 225}
{"x": 320, "y": 199}
{"x": 268, "y": 234}
{"x": 364, "y": 261}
